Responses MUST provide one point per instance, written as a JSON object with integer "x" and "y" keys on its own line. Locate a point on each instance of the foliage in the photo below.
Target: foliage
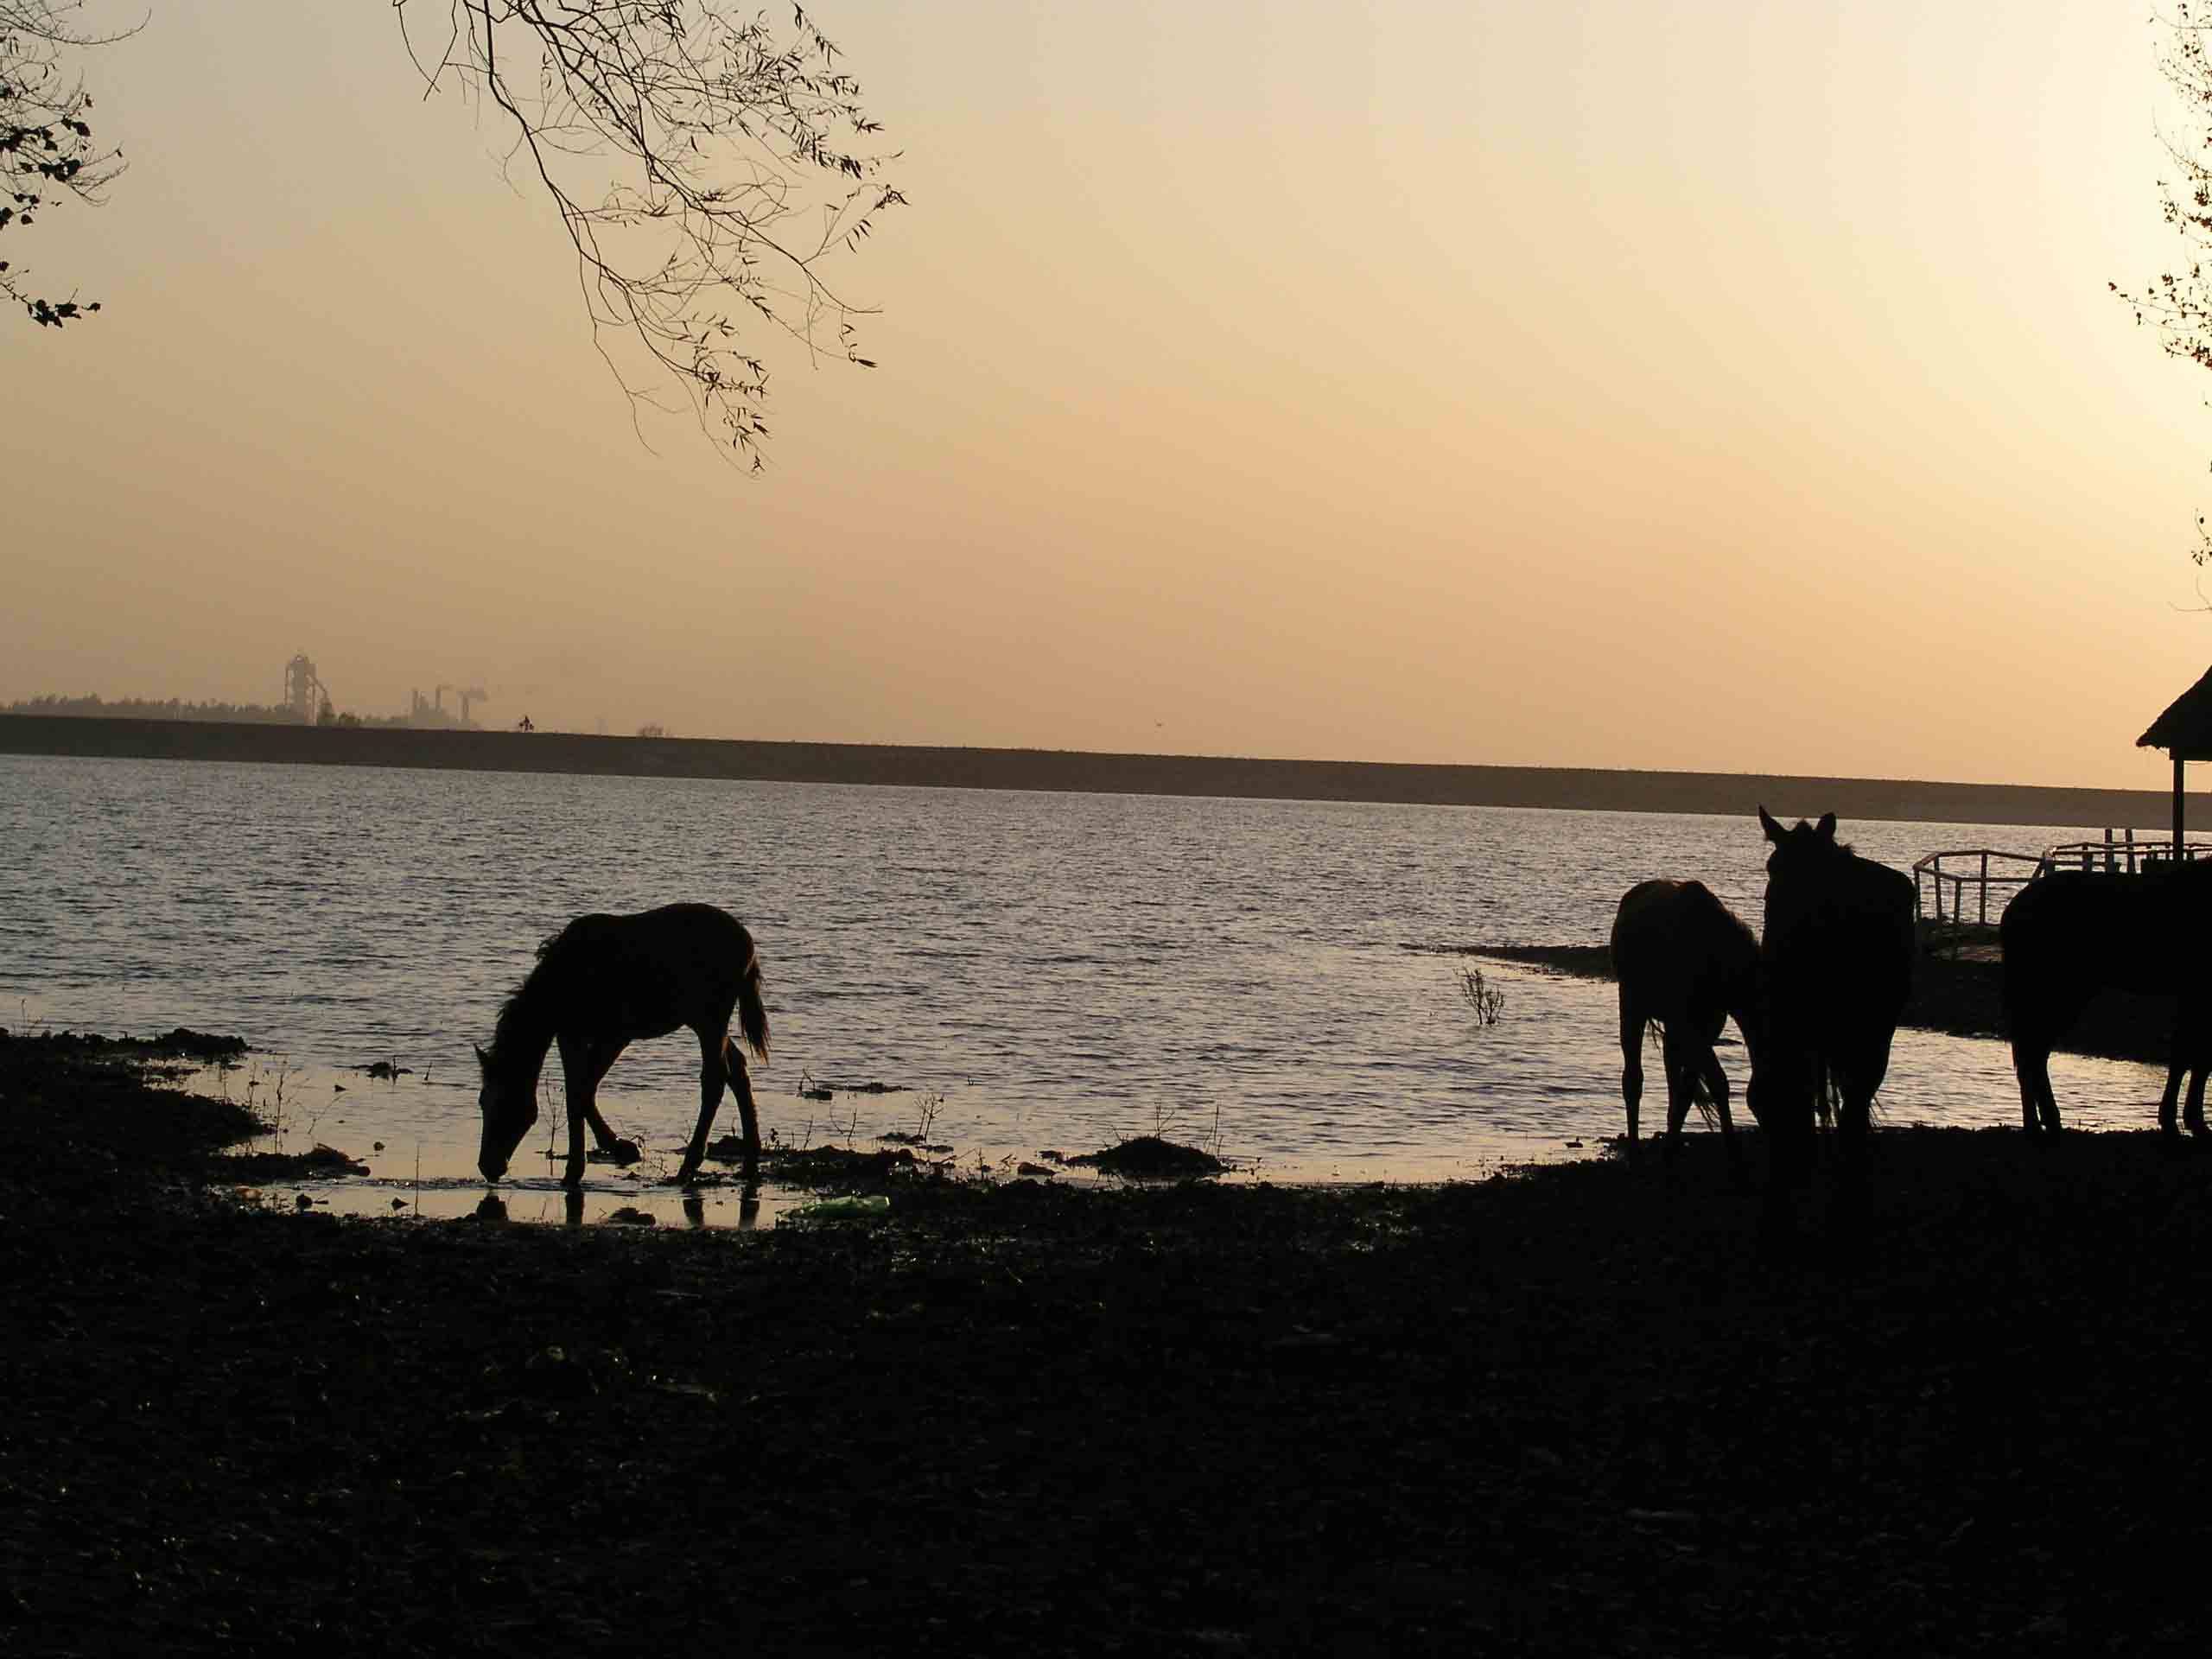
{"x": 703, "y": 165}
{"x": 46, "y": 152}
{"x": 2178, "y": 303}
{"x": 739, "y": 170}
{"x": 95, "y": 707}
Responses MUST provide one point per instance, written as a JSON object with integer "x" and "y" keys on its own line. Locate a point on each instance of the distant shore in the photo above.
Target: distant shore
{"x": 1073, "y": 770}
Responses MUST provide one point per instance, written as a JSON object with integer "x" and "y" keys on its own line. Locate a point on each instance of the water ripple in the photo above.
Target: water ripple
{"x": 1058, "y": 969}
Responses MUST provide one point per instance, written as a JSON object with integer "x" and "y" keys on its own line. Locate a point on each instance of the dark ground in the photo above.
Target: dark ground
{"x": 1568, "y": 1412}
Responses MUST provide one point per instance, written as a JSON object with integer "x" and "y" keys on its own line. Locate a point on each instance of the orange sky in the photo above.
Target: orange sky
{"x": 1721, "y": 386}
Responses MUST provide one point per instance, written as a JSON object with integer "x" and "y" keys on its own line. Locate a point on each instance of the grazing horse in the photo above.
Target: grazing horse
{"x": 1686, "y": 963}
{"x": 603, "y": 982}
{"x": 1837, "y": 967}
{"x": 2069, "y": 934}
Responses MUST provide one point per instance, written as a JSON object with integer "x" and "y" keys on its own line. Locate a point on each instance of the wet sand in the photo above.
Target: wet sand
{"x": 1572, "y": 1411}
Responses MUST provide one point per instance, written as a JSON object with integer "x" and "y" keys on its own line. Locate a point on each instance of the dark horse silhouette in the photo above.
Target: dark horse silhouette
{"x": 1837, "y": 961}
{"x": 1686, "y": 963}
{"x": 2069, "y": 934}
{"x": 603, "y": 982}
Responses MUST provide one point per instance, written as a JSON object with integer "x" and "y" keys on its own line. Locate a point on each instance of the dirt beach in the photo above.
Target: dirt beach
{"x": 1565, "y": 1411}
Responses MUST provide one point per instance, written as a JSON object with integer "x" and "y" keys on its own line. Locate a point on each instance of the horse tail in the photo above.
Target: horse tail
{"x": 1700, "y": 1093}
{"x": 752, "y": 1014}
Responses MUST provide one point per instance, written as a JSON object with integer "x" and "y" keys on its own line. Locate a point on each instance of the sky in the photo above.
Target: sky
{"x": 1720, "y": 386}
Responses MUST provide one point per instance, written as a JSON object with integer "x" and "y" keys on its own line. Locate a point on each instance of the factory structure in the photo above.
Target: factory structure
{"x": 307, "y": 699}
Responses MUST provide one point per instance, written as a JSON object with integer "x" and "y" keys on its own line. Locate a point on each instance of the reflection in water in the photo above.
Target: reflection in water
{"x": 572, "y": 1205}
{"x": 694, "y": 1210}
{"x": 492, "y": 1207}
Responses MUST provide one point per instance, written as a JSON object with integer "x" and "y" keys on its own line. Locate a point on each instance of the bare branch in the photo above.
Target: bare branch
{"x": 739, "y": 165}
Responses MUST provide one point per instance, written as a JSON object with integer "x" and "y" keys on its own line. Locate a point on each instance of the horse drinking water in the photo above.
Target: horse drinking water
{"x": 603, "y": 982}
{"x": 1684, "y": 962}
{"x": 1838, "y": 965}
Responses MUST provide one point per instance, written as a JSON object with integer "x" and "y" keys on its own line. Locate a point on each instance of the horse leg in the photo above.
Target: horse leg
{"x": 2194, "y": 1115}
{"x": 602, "y": 1058}
{"x": 714, "y": 1074}
{"x": 2038, "y": 1014}
{"x": 2176, "y": 1068}
{"x": 2032, "y": 1065}
{"x": 1858, "y": 1077}
{"x": 1631, "y": 1060}
{"x": 2190, "y": 1015}
{"x": 1716, "y": 1084}
{"x": 1682, "y": 1080}
{"x": 741, "y": 1084}
{"x": 577, "y": 1056}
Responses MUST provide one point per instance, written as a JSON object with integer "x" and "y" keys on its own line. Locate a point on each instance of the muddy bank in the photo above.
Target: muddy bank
{"x": 1961, "y": 995}
{"x": 1568, "y": 1412}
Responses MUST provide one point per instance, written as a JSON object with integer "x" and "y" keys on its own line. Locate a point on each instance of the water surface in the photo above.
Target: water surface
{"x": 1033, "y": 971}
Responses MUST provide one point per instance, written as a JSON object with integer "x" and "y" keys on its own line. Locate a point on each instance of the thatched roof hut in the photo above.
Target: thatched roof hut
{"x": 2185, "y": 731}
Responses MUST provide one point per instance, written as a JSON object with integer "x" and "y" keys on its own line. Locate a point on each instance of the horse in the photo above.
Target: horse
{"x": 603, "y": 982}
{"x": 1684, "y": 962}
{"x": 1836, "y": 963}
{"x": 2069, "y": 934}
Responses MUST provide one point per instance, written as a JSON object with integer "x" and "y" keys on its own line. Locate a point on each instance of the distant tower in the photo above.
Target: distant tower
{"x": 304, "y": 691}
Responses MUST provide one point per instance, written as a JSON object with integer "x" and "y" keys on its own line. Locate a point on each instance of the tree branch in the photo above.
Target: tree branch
{"x": 738, "y": 163}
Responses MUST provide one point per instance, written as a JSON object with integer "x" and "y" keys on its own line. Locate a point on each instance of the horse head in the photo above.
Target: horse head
{"x": 1802, "y": 872}
{"x": 508, "y": 1113}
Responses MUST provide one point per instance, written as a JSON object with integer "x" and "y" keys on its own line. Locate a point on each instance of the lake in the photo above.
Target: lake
{"x": 1024, "y": 971}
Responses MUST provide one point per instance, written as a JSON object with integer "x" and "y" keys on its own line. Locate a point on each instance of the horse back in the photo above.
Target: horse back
{"x": 2140, "y": 931}
{"x": 663, "y": 960}
{"x": 1678, "y": 950}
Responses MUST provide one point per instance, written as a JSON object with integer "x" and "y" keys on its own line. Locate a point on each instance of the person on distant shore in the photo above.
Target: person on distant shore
{"x": 524, "y": 725}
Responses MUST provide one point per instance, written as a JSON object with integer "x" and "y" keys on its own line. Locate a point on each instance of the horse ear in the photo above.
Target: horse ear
{"x": 1773, "y": 830}
{"x": 1826, "y": 826}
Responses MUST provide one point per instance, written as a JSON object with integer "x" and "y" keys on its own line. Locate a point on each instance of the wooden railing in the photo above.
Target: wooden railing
{"x": 1977, "y": 869}
{"x": 1968, "y": 867}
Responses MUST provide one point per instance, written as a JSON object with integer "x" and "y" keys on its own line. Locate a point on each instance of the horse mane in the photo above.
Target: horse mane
{"x": 520, "y": 1030}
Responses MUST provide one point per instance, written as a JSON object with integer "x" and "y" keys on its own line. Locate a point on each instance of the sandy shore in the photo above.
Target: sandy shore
{"x": 1568, "y": 1412}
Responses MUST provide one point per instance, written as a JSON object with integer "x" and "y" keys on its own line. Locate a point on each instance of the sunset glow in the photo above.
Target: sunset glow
{"x": 1705, "y": 386}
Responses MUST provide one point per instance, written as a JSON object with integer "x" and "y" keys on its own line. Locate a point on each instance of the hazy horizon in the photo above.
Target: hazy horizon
{"x": 1680, "y": 387}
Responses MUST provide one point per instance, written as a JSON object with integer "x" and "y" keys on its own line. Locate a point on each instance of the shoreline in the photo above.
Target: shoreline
{"x": 1077, "y": 772}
